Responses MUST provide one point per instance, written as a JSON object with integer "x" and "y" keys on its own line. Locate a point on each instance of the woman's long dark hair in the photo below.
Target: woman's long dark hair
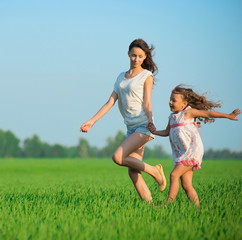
{"x": 148, "y": 62}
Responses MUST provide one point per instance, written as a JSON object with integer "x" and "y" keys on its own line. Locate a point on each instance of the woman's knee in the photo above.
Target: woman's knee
{"x": 117, "y": 158}
{"x": 133, "y": 172}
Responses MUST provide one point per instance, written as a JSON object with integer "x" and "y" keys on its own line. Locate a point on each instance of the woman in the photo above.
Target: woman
{"x": 133, "y": 91}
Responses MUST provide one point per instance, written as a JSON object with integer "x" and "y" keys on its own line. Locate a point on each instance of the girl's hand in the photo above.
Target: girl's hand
{"x": 234, "y": 114}
{"x": 86, "y": 126}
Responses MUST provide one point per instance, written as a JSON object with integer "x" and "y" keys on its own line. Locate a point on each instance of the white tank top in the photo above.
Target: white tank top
{"x": 130, "y": 97}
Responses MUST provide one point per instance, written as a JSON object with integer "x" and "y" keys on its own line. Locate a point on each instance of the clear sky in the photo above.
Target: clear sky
{"x": 60, "y": 59}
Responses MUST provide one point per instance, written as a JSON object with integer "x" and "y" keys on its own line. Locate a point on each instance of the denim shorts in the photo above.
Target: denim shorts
{"x": 139, "y": 128}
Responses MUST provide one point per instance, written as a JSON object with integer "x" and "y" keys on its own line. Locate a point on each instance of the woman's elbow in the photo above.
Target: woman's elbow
{"x": 147, "y": 106}
{"x": 110, "y": 103}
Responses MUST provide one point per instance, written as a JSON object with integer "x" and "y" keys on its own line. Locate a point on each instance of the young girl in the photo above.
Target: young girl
{"x": 133, "y": 90}
{"x": 186, "y": 143}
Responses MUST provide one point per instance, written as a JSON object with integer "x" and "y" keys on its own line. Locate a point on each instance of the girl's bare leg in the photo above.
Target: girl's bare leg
{"x": 137, "y": 178}
{"x": 175, "y": 175}
{"x": 123, "y": 157}
{"x": 186, "y": 180}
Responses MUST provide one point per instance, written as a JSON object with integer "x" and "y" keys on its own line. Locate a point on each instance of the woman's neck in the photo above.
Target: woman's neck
{"x": 132, "y": 72}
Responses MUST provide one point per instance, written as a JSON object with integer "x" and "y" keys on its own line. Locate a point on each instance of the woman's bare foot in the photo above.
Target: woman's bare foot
{"x": 162, "y": 186}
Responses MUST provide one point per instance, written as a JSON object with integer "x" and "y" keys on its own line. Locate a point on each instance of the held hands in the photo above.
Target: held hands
{"x": 234, "y": 114}
{"x": 151, "y": 127}
{"x": 86, "y": 126}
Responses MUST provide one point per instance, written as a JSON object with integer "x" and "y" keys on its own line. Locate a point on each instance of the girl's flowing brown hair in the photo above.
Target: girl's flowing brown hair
{"x": 148, "y": 62}
{"x": 197, "y": 101}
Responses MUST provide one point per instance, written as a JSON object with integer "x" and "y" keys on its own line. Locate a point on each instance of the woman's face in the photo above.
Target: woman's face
{"x": 137, "y": 57}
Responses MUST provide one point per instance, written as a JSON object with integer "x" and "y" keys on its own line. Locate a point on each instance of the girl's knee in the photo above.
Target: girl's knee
{"x": 174, "y": 176}
{"x": 186, "y": 186}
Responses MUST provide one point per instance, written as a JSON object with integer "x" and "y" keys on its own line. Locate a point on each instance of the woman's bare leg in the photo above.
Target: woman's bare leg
{"x": 137, "y": 179}
{"x": 123, "y": 156}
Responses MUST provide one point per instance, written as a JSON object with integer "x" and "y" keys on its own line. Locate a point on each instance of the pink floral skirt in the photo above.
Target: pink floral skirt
{"x": 196, "y": 165}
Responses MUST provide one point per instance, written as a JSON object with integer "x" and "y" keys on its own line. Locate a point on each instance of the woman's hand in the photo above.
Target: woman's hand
{"x": 151, "y": 127}
{"x": 86, "y": 126}
{"x": 103, "y": 110}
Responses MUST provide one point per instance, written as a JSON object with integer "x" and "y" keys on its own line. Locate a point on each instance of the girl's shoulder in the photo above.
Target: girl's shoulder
{"x": 174, "y": 116}
{"x": 188, "y": 113}
{"x": 187, "y": 108}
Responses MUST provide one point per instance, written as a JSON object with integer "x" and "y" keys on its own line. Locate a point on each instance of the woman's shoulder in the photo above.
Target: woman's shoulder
{"x": 144, "y": 75}
{"x": 147, "y": 72}
{"x": 120, "y": 76}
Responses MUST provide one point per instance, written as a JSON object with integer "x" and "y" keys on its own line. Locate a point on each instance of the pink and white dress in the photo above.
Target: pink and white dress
{"x": 185, "y": 139}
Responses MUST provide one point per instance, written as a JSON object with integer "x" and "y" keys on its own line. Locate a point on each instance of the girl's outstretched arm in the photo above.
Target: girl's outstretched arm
{"x": 103, "y": 110}
{"x": 192, "y": 113}
{"x": 163, "y": 133}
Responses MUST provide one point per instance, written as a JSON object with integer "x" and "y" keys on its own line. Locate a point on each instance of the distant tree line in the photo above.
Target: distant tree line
{"x": 222, "y": 154}
{"x": 33, "y": 147}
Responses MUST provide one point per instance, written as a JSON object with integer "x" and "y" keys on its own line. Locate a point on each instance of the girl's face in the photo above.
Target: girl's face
{"x": 137, "y": 57}
{"x": 177, "y": 103}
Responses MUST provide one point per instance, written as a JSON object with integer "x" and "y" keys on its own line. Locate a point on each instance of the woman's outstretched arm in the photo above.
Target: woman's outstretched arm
{"x": 103, "y": 110}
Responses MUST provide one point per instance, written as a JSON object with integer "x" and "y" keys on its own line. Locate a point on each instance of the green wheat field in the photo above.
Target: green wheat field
{"x": 95, "y": 199}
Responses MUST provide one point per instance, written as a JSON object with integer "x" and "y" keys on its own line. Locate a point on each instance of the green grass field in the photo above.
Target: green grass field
{"x": 95, "y": 199}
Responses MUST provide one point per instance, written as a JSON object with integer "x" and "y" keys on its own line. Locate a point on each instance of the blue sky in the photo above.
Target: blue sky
{"x": 60, "y": 59}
